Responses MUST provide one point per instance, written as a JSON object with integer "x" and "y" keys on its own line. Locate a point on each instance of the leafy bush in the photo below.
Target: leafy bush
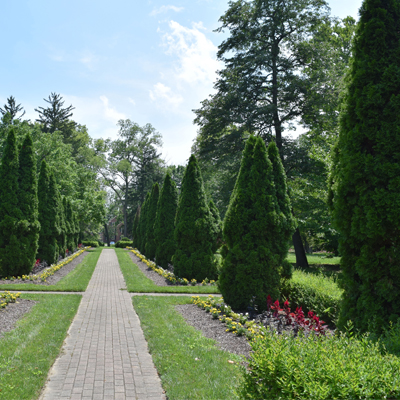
{"x": 323, "y": 367}
{"x": 91, "y": 243}
{"x": 318, "y": 293}
{"x": 123, "y": 243}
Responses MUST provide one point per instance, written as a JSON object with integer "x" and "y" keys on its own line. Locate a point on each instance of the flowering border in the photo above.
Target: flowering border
{"x": 170, "y": 276}
{"x": 50, "y": 271}
{"x": 8, "y": 297}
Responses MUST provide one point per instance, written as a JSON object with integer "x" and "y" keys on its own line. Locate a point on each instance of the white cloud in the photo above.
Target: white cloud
{"x": 164, "y": 9}
{"x": 111, "y": 113}
{"x": 133, "y": 102}
{"x": 196, "y": 54}
{"x": 162, "y": 93}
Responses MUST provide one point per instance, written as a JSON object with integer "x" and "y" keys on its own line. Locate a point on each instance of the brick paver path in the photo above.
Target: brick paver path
{"x": 105, "y": 355}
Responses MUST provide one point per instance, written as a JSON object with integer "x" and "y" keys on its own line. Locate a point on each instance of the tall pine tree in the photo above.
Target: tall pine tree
{"x": 29, "y": 226}
{"x": 10, "y": 214}
{"x": 251, "y": 263}
{"x": 165, "y": 222}
{"x": 151, "y": 219}
{"x": 365, "y": 180}
{"x": 194, "y": 257}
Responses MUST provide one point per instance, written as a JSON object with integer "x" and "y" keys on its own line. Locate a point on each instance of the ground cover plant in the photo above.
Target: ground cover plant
{"x": 170, "y": 276}
{"x": 136, "y": 281}
{"x": 190, "y": 365}
{"x": 28, "y": 351}
{"x": 76, "y": 281}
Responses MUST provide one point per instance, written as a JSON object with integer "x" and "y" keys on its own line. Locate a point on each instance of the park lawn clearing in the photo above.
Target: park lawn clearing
{"x": 189, "y": 364}
{"x": 316, "y": 259}
{"x": 76, "y": 281}
{"x": 30, "y": 349}
{"x": 137, "y": 282}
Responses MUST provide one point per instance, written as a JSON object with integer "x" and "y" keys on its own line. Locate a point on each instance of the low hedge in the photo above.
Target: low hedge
{"x": 324, "y": 367}
{"x": 124, "y": 243}
{"x": 91, "y": 243}
{"x": 318, "y": 293}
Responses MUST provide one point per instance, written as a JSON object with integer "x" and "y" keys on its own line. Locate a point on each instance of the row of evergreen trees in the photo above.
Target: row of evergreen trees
{"x": 35, "y": 222}
{"x": 256, "y": 229}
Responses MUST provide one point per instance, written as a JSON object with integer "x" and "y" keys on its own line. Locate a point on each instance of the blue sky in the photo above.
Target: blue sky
{"x": 149, "y": 61}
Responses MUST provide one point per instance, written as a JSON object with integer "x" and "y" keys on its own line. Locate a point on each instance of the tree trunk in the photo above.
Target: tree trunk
{"x": 107, "y": 235}
{"x": 301, "y": 258}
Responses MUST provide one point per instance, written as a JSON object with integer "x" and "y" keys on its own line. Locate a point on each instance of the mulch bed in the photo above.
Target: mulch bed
{"x": 12, "y": 313}
{"x": 214, "y": 329}
{"x": 51, "y": 280}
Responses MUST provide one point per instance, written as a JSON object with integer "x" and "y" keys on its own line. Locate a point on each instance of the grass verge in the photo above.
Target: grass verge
{"x": 137, "y": 281}
{"x": 28, "y": 351}
{"x": 76, "y": 281}
{"x": 190, "y": 365}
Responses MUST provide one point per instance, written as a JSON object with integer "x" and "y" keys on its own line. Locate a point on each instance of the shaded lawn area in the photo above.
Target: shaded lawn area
{"x": 189, "y": 364}
{"x": 136, "y": 281}
{"x": 76, "y": 281}
{"x": 29, "y": 350}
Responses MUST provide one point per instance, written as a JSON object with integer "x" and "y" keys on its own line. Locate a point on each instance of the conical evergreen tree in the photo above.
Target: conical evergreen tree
{"x": 143, "y": 224}
{"x": 47, "y": 249}
{"x": 10, "y": 214}
{"x": 194, "y": 257}
{"x": 286, "y": 220}
{"x": 77, "y": 228}
{"x": 151, "y": 219}
{"x": 250, "y": 266}
{"x": 165, "y": 222}
{"x": 71, "y": 236}
{"x": 135, "y": 229}
{"x": 67, "y": 224}
{"x": 216, "y": 226}
{"x": 365, "y": 177}
{"x": 62, "y": 237}
{"x": 29, "y": 227}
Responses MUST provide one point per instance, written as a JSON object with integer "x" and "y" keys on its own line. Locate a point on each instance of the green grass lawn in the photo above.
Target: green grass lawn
{"x": 76, "y": 281}
{"x": 28, "y": 351}
{"x": 175, "y": 346}
{"x": 136, "y": 281}
{"x": 316, "y": 259}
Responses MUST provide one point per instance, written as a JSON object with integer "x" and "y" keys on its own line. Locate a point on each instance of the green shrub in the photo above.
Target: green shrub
{"x": 150, "y": 248}
{"x": 324, "y": 367}
{"x": 314, "y": 292}
{"x": 91, "y": 243}
{"x": 124, "y": 243}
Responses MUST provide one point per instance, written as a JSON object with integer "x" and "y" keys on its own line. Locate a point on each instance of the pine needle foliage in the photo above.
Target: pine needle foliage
{"x": 151, "y": 219}
{"x": 10, "y": 214}
{"x": 365, "y": 179}
{"x": 143, "y": 224}
{"x": 165, "y": 222}
{"x": 194, "y": 257}
{"x": 47, "y": 250}
{"x": 252, "y": 256}
{"x": 135, "y": 229}
{"x": 29, "y": 226}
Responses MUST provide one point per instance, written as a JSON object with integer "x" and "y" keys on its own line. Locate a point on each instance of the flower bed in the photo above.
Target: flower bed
{"x": 50, "y": 271}
{"x": 174, "y": 280}
{"x": 8, "y": 297}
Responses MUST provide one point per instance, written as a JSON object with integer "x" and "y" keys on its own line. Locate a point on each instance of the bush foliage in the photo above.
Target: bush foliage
{"x": 151, "y": 219}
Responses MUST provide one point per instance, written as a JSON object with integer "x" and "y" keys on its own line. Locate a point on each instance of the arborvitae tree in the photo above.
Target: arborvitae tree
{"x": 135, "y": 229}
{"x": 67, "y": 223}
{"x": 216, "y": 226}
{"x": 47, "y": 211}
{"x": 151, "y": 219}
{"x": 165, "y": 222}
{"x": 250, "y": 266}
{"x": 55, "y": 212}
{"x": 77, "y": 228}
{"x": 286, "y": 220}
{"x": 71, "y": 236}
{"x": 62, "y": 237}
{"x": 10, "y": 214}
{"x": 194, "y": 257}
{"x": 143, "y": 224}
{"x": 365, "y": 189}
{"x": 29, "y": 227}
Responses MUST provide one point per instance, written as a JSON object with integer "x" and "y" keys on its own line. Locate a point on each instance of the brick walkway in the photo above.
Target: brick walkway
{"x": 105, "y": 355}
